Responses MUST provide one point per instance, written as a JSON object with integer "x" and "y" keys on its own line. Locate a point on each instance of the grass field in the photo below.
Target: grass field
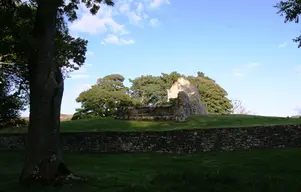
{"x": 264, "y": 170}
{"x": 204, "y": 122}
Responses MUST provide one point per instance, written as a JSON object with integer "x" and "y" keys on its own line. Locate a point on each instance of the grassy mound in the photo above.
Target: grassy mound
{"x": 195, "y": 122}
{"x": 268, "y": 170}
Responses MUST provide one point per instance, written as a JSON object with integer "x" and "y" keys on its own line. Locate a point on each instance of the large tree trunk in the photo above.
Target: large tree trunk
{"x": 43, "y": 162}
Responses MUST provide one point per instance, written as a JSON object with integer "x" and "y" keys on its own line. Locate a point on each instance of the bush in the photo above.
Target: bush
{"x": 77, "y": 116}
{"x": 10, "y": 107}
{"x": 18, "y": 122}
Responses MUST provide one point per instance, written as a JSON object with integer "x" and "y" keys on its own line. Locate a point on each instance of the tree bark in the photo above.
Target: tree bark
{"x": 43, "y": 159}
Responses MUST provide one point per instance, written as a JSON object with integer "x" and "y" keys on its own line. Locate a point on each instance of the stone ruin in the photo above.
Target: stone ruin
{"x": 183, "y": 101}
{"x": 197, "y": 107}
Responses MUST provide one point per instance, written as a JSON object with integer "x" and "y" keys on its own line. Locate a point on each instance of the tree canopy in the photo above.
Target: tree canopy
{"x": 291, "y": 10}
{"x": 17, "y": 24}
{"x": 15, "y": 41}
{"x": 10, "y": 103}
{"x": 104, "y": 98}
{"x": 153, "y": 89}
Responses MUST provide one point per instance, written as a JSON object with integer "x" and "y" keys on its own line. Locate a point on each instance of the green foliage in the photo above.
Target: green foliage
{"x": 72, "y": 6}
{"x": 148, "y": 89}
{"x": 290, "y": 9}
{"x": 79, "y": 114}
{"x": 104, "y": 98}
{"x": 153, "y": 90}
{"x": 16, "y": 24}
{"x": 10, "y": 105}
{"x": 212, "y": 94}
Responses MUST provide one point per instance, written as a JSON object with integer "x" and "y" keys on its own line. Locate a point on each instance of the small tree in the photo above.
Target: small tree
{"x": 238, "y": 108}
{"x": 104, "y": 98}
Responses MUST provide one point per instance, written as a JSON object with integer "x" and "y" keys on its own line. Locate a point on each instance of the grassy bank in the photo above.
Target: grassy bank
{"x": 269, "y": 170}
{"x": 204, "y": 122}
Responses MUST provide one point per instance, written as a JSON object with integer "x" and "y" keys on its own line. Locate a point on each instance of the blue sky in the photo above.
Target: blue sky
{"x": 244, "y": 45}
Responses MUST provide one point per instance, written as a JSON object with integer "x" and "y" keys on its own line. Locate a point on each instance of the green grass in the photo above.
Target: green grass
{"x": 263, "y": 170}
{"x": 202, "y": 122}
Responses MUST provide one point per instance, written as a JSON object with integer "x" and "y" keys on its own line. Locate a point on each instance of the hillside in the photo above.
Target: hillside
{"x": 194, "y": 122}
{"x": 64, "y": 117}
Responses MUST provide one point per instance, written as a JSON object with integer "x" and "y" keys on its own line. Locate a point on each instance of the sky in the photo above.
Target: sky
{"x": 243, "y": 45}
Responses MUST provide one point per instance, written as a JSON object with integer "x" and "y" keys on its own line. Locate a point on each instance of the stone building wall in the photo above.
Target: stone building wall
{"x": 178, "y": 109}
{"x": 164, "y": 112}
{"x": 184, "y": 100}
{"x": 180, "y": 142}
{"x": 183, "y": 85}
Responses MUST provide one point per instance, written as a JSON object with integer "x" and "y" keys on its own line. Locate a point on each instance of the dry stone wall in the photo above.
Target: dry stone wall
{"x": 179, "y": 142}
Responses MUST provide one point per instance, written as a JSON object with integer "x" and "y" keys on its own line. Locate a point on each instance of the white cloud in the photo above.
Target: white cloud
{"x": 89, "y": 24}
{"x": 113, "y": 39}
{"x": 283, "y": 45}
{"x": 134, "y": 18}
{"x": 100, "y": 23}
{"x": 104, "y": 22}
{"x": 93, "y": 25}
{"x": 127, "y": 41}
{"x": 158, "y": 3}
{"x": 123, "y": 8}
{"x": 244, "y": 69}
{"x": 140, "y": 7}
{"x": 154, "y": 22}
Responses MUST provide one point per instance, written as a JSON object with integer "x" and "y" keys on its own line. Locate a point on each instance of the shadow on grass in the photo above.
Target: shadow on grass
{"x": 269, "y": 170}
{"x": 166, "y": 182}
{"x": 193, "y": 122}
{"x": 189, "y": 181}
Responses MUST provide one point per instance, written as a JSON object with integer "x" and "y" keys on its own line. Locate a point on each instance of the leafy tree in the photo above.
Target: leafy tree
{"x": 148, "y": 89}
{"x": 290, "y": 9}
{"x": 10, "y": 103}
{"x": 16, "y": 26}
{"x": 43, "y": 162}
{"x": 153, "y": 89}
{"x": 212, "y": 94}
{"x": 104, "y": 98}
{"x": 170, "y": 79}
